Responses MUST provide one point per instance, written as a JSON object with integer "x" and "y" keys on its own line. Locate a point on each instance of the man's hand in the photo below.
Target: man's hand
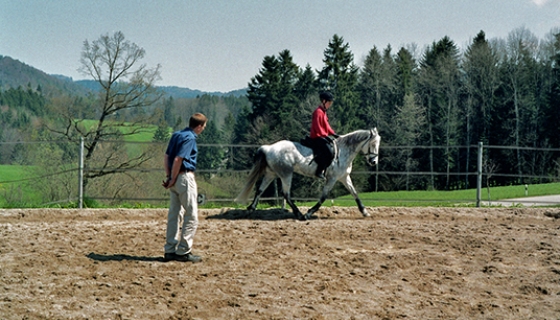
{"x": 168, "y": 183}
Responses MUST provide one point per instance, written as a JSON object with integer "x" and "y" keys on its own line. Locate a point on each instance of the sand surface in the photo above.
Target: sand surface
{"x": 400, "y": 263}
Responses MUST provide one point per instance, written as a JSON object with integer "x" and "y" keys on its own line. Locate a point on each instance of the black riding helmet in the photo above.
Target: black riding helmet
{"x": 326, "y": 96}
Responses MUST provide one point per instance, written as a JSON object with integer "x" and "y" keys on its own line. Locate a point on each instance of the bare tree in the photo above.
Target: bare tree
{"x": 489, "y": 167}
{"x": 521, "y": 52}
{"x": 119, "y": 109}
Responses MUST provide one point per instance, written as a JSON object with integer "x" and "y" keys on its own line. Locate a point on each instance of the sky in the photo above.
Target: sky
{"x": 219, "y": 45}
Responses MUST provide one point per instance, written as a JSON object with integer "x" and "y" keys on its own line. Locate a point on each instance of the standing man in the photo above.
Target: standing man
{"x": 320, "y": 130}
{"x": 180, "y": 165}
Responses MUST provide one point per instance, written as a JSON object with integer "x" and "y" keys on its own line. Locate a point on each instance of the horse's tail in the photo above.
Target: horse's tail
{"x": 254, "y": 175}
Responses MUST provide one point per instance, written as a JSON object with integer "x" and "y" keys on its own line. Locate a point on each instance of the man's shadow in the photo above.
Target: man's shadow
{"x": 122, "y": 257}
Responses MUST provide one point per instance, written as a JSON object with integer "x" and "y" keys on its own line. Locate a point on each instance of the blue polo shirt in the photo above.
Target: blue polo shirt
{"x": 183, "y": 144}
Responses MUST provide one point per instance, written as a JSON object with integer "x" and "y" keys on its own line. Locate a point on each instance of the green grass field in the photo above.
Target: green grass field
{"x": 15, "y": 189}
{"x": 14, "y": 173}
{"x": 146, "y": 135}
{"x": 448, "y": 198}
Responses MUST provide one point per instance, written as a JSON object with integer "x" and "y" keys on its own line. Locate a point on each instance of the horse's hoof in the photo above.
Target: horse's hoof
{"x": 365, "y": 213}
{"x": 250, "y": 209}
{"x": 301, "y": 217}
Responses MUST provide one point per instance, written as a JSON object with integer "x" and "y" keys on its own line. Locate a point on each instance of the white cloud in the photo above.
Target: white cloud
{"x": 540, "y": 3}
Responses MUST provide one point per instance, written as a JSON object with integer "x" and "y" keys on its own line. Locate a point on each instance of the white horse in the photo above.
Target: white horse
{"x": 283, "y": 158}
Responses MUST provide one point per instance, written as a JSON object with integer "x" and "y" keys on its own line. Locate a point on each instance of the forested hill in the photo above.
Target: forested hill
{"x": 14, "y": 74}
{"x": 172, "y": 91}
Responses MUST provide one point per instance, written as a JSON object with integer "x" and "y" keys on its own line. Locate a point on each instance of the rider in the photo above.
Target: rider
{"x": 320, "y": 130}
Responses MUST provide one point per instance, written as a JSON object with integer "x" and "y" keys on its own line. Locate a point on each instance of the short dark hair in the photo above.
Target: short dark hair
{"x": 196, "y": 120}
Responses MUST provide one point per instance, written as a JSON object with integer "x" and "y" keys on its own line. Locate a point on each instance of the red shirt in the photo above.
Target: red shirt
{"x": 320, "y": 126}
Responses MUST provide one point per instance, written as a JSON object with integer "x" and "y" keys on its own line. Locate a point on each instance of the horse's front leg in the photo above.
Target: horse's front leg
{"x": 348, "y": 184}
{"x": 292, "y": 205}
{"x": 326, "y": 189}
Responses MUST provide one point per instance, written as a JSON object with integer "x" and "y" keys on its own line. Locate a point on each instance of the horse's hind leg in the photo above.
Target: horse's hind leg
{"x": 286, "y": 186}
{"x": 267, "y": 179}
{"x": 326, "y": 189}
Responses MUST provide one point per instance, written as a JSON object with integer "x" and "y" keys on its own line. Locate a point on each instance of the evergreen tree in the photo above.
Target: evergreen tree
{"x": 378, "y": 90}
{"x": 162, "y": 133}
{"x": 168, "y": 106}
{"x": 552, "y": 112}
{"x": 274, "y": 102}
{"x": 481, "y": 82}
{"x": 210, "y": 157}
{"x": 406, "y": 75}
{"x": 520, "y": 108}
{"x": 306, "y": 94}
{"x": 439, "y": 89}
{"x": 407, "y": 126}
{"x": 340, "y": 76}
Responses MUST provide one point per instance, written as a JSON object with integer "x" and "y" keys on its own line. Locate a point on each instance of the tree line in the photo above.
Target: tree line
{"x": 499, "y": 92}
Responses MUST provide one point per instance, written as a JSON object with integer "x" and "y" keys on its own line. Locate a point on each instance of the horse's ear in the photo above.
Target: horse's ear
{"x": 374, "y": 131}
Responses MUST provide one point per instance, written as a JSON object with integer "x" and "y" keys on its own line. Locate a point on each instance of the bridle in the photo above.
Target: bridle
{"x": 371, "y": 154}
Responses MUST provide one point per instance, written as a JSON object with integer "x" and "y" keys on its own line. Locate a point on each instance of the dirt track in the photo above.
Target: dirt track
{"x": 413, "y": 263}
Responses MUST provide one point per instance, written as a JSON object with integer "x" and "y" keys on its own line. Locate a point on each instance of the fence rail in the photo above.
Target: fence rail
{"x": 72, "y": 176}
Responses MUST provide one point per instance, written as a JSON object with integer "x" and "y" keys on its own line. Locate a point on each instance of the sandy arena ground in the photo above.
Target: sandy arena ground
{"x": 410, "y": 263}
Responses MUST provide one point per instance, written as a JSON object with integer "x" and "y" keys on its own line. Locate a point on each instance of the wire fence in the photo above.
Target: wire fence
{"x": 46, "y": 173}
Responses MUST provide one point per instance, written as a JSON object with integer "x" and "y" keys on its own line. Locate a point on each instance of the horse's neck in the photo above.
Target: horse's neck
{"x": 349, "y": 146}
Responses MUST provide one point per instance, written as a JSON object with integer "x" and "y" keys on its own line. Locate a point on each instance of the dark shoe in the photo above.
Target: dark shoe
{"x": 189, "y": 257}
{"x": 169, "y": 257}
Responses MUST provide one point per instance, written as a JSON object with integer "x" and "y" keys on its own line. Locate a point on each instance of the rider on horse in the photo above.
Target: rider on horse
{"x": 319, "y": 136}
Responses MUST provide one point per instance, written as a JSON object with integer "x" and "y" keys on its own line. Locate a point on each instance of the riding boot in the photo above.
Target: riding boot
{"x": 320, "y": 173}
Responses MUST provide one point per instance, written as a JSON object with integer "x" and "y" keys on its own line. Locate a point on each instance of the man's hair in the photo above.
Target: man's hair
{"x": 196, "y": 120}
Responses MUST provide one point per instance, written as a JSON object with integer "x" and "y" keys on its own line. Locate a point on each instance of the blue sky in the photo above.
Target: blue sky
{"x": 218, "y": 45}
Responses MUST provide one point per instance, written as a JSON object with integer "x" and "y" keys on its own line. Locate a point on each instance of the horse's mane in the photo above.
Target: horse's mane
{"x": 353, "y": 138}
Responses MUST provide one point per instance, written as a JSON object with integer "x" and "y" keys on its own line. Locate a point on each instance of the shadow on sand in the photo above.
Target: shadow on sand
{"x": 265, "y": 214}
{"x": 121, "y": 257}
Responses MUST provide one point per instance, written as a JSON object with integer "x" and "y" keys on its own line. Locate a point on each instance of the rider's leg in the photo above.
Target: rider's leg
{"x": 322, "y": 158}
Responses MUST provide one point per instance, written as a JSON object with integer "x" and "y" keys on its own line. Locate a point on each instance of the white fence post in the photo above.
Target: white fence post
{"x": 81, "y": 175}
{"x": 479, "y": 175}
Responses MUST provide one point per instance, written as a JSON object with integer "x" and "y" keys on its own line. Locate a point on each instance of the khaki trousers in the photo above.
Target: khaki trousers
{"x": 182, "y": 217}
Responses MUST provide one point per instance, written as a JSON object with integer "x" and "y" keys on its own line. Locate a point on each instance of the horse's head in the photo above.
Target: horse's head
{"x": 371, "y": 148}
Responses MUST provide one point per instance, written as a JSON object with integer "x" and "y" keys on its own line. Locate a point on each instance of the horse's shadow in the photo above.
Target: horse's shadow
{"x": 263, "y": 214}
{"x": 122, "y": 257}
